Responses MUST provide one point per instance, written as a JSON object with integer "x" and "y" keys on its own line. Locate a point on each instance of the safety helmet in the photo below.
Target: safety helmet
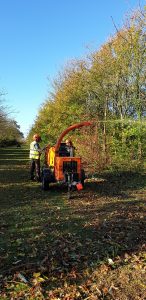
{"x": 37, "y": 137}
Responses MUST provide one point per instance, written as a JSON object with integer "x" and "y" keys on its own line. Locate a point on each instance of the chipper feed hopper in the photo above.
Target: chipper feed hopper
{"x": 60, "y": 167}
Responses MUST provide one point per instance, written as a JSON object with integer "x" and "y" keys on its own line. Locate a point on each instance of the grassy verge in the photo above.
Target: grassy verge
{"x": 92, "y": 247}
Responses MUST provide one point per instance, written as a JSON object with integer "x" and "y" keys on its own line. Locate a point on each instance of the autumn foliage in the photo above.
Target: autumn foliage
{"x": 107, "y": 87}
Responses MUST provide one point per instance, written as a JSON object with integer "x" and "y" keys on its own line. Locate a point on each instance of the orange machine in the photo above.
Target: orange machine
{"x": 60, "y": 166}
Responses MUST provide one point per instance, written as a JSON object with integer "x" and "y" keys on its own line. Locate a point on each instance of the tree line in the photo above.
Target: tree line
{"x": 10, "y": 133}
{"x": 107, "y": 87}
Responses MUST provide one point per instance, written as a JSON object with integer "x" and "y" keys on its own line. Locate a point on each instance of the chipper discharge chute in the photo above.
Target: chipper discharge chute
{"x": 61, "y": 167}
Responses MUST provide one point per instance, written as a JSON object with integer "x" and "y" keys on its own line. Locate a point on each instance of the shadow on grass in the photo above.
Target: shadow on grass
{"x": 118, "y": 184}
{"x": 44, "y": 231}
{"x": 11, "y": 157}
{"x": 75, "y": 234}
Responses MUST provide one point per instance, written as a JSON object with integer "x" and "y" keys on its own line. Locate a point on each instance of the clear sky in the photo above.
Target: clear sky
{"x": 37, "y": 37}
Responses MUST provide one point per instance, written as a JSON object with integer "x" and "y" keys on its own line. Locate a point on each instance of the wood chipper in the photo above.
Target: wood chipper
{"x": 60, "y": 167}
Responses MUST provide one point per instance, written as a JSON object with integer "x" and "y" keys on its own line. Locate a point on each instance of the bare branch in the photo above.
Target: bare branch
{"x": 118, "y": 31}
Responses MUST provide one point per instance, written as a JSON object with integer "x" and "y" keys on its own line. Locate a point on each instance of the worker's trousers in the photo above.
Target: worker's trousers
{"x": 35, "y": 169}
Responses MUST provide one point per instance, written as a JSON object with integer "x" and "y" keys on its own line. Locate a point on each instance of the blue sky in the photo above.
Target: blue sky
{"x": 37, "y": 37}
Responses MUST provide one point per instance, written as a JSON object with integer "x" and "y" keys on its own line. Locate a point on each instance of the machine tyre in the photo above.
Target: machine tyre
{"x": 45, "y": 183}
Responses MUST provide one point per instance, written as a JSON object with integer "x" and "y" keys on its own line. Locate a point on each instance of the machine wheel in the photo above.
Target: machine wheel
{"x": 45, "y": 183}
{"x": 46, "y": 178}
{"x": 82, "y": 177}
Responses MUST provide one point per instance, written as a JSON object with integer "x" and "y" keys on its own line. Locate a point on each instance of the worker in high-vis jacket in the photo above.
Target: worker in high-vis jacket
{"x": 35, "y": 153}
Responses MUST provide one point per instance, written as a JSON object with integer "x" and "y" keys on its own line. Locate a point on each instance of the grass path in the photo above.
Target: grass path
{"x": 92, "y": 247}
